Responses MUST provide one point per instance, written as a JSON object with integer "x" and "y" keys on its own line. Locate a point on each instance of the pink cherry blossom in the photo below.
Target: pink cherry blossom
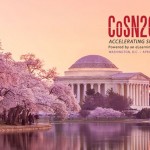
{"x": 19, "y": 85}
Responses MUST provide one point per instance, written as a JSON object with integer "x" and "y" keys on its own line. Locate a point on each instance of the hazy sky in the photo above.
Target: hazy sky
{"x": 61, "y": 31}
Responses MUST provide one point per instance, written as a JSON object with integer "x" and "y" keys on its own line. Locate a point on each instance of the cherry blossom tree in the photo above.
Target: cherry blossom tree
{"x": 48, "y": 74}
{"x": 19, "y": 83}
{"x": 35, "y": 66}
{"x": 100, "y": 112}
{"x": 33, "y": 63}
{"x": 65, "y": 94}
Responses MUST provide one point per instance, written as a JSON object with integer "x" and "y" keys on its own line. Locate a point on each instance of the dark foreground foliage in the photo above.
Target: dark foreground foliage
{"x": 143, "y": 114}
{"x": 84, "y": 113}
{"x": 111, "y": 100}
{"x": 93, "y": 101}
{"x": 17, "y": 115}
{"x": 118, "y": 102}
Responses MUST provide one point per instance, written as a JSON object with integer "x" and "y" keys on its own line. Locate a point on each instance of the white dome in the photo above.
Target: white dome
{"x": 93, "y": 61}
{"x": 92, "y": 65}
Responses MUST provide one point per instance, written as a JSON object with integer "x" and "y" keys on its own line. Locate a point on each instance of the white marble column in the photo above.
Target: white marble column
{"x": 147, "y": 94}
{"x": 133, "y": 94}
{"x": 78, "y": 92}
{"x": 140, "y": 100}
{"x": 122, "y": 89}
{"x": 142, "y": 97}
{"x": 136, "y": 99}
{"x": 131, "y": 91}
{"x": 92, "y": 85}
{"x": 99, "y": 87}
{"x": 128, "y": 94}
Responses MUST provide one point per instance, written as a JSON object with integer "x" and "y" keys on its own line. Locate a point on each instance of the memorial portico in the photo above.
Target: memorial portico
{"x": 98, "y": 73}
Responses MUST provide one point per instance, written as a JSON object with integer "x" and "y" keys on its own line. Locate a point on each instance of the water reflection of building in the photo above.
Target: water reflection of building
{"x": 84, "y": 136}
{"x": 139, "y": 139}
{"x": 101, "y": 136}
{"x": 98, "y": 72}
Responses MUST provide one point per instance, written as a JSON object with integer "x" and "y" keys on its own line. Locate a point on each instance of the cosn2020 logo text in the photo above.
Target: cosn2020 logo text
{"x": 131, "y": 26}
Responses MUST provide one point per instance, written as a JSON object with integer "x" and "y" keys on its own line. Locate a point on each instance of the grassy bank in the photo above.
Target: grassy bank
{"x": 21, "y": 128}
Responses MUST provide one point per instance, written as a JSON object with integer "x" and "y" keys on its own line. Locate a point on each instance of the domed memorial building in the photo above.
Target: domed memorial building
{"x": 94, "y": 71}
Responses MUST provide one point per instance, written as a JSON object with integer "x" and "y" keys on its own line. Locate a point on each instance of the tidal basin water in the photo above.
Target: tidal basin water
{"x": 81, "y": 136}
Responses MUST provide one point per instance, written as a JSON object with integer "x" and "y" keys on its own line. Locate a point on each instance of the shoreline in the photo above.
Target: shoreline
{"x": 104, "y": 121}
{"x": 26, "y": 128}
{"x": 47, "y": 126}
